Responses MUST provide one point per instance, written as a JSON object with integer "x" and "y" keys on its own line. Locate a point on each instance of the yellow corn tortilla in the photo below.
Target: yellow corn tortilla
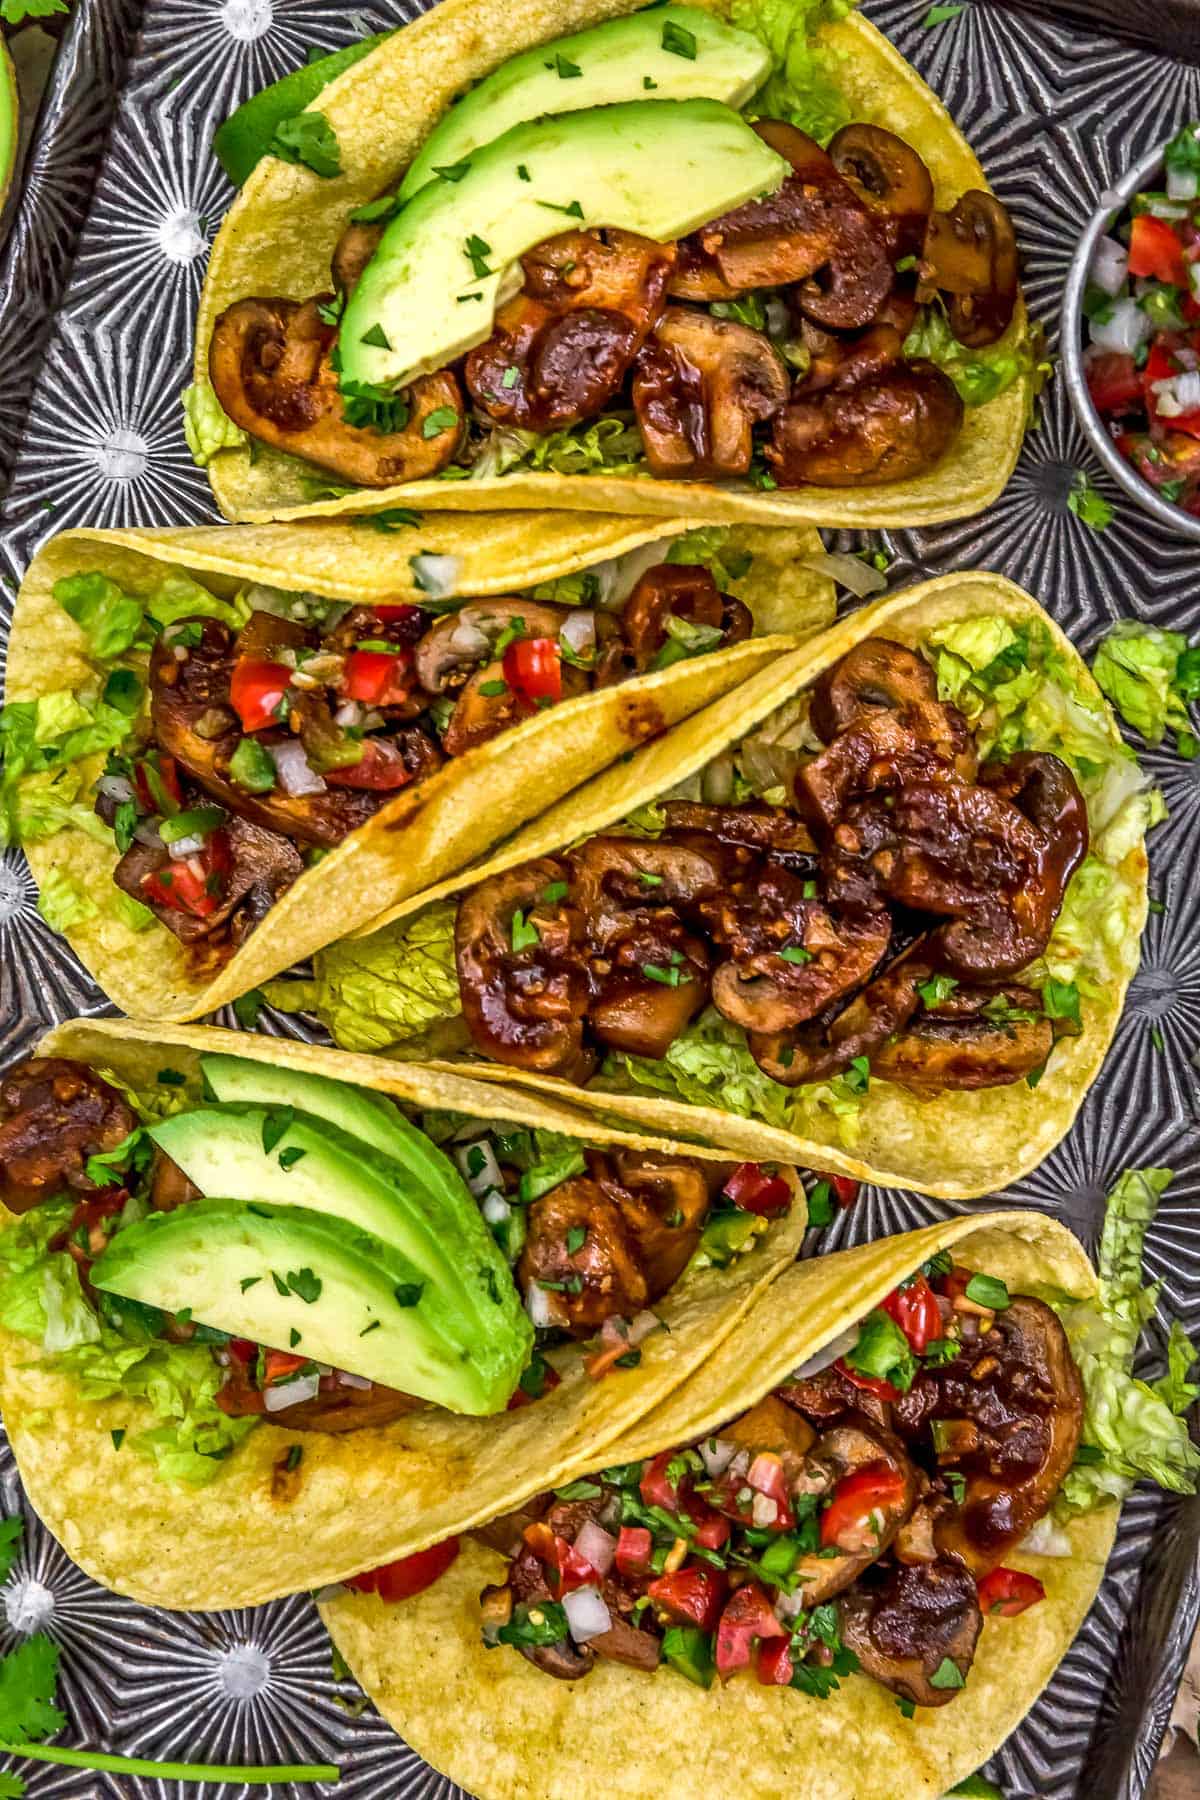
{"x": 439, "y": 824}
{"x": 279, "y": 234}
{"x": 505, "y": 1731}
{"x": 362, "y": 1497}
{"x": 958, "y": 1145}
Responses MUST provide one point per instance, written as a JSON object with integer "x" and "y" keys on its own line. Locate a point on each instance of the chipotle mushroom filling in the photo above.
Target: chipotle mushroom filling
{"x": 877, "y": 921}
{"x": 267, "y": 746}
{"x": 768, "y": 344}
{"x": 857, "y": 1519}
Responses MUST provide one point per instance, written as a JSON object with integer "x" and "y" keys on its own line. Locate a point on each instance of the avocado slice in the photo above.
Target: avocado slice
{"x": 657, "y": 168}
{"x": 311, "y": 1163}
{"x": 364, "y": 1114}
{"x": 674, "y": 52}
{"x": 347, "y": 1298}
{"x": 245, "y": 137}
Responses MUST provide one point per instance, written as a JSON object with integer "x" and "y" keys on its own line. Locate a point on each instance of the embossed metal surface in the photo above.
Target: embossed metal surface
{"x": 98, "y": 285}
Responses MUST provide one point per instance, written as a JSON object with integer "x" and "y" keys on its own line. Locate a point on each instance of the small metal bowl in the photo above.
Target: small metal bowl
{"x": 1143, "y": 175}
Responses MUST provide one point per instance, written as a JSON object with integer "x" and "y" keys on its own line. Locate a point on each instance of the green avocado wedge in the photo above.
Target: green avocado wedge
{"x": 674, "y": 52}
{"x": 316, "y": 1285}
{"x": 8, "y": 121}
{"x": 245, "y": 137}
{"x": 658, "y": 168}
{"x": 286, "y": 1158}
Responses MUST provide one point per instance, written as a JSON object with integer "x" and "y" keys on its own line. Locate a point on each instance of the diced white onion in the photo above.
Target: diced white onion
{"x": 187, "y": 846}
{"x": 716, "y": 1454}
{"x": 487, "y": 1176}
{"x": 1187, "y": 358}
{"x": 1182, "y": 184}
{"x": 346, "y": 1379}
{"x": 1046, "y": 1539}
{"x": 146, "y": 832}
{"x": 115, "y": 787}
{"x": 587, "y": 1615}
{"x": 539, "y": 1306}
{"x": 1177, "y": 394}
{"x": 851, "y": 572}
{"x": 1126, "y": 330}
{"x": 350, "y": 712}
{"x": 763, "y": 1510}
{"x": 296, "y": 773}
{"x": 579, "y": 631}
{"x": 291, "y": 1393}
{"x": 436, "y": 576}
{"x": 495, "y": 1209}
{"x": 596, "y": 1546}
{"x": 829, "y": 1353}
{"x": 468, "y": 639}
{"x": 1110, "y": 265}
{"x": 617, "y": 576}
{"x": 788, "y": 1607}
{"x": 641, "y": 1325}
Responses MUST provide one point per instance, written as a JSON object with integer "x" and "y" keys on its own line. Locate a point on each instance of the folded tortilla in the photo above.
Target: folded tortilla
{"x": 957, "y": 1145}
{"x": 503, "y": 1729}
{"x": 359, "y": 1498}
{"x": 279, "y": 234}
{"x": 436, "y": 826}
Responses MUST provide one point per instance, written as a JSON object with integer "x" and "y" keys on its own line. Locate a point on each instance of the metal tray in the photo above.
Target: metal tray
{"x": 98, "y": 285}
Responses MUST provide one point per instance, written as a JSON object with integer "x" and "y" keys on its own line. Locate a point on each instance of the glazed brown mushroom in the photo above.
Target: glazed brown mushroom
{"x": 455, "y": 644}
{"x": 700, "y": 385}
{"x": 258, "y": 866}
{"x": 814, "y": 231}
{"x": 853, "y": 1443}
{"x": 562, "y": 347}
{"x": 683, "y": 591}
{"x": 54, "y": 1114}
{"x": 970, "y": 255}
{"x": 965, "y": 1046}
{"x": 269, "y": 366}
{"x": 876, "y": 673}
{"x": 890, "y": 176}
{"x": 770, "y": 829}
{"x": 351, "y": 254}
{"x": 169, "y": 1186}
{"x": 612, "y": 877}
{"x": 606, "y": 1269}
{"x": 885, "y": 750}
{"x": 1016, "y": 1401}
{"x": 523, "y": 1007}
{"x": 817, "y": 1052}
{"x": 892, "y": 427}
{"x": 903, "y": 1631}
{"x": 665, "y": 1201}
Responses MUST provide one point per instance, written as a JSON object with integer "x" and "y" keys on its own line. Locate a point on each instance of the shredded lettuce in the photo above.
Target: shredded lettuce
{"x": 979, "y": 375}
{"x": 1136, "y": 1428}
{"x": 709, "y": 546}
{"x": 114, "y": 621}
{"x": 611, "y": 445}
{"x": 802, "y": 86}
{"x": 1151, "y": 676}
{"x": 372, "y": 993}
{"x": 709, "y": 1064}
{"x": 206, "y": 426}
{"x": 63, "y": 902}
{"x": 41, "y": 741}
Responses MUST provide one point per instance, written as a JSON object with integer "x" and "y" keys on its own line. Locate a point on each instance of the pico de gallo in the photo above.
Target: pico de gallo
{"x": 1142, "y": 307}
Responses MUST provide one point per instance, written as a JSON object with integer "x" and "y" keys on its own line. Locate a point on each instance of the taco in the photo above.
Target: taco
{"x": 224, "y": 748}
{"x": 875, "y": 912}
{"x": 858, "y": 1541}
{"x": 589, "y": 256}
{"x": 249, "y": 1280}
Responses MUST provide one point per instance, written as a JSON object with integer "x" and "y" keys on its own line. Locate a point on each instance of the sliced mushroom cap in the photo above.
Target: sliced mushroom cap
{"x": 891, "y": 428}
{"x": 55, "y": 1113}
{"x": 904, "y": 1631}
{"x": 664, "y": 1201}
{"x": 169, "y": 1186}
{"x": 612, "y": 875}
{"x": 970, "y": 254}
{"x": 526, "y": 1583}
{"x": 772, "y": 1425}
{"x": 459, "y": 641}
{"x": 269, "y": 366}
{"x": 876, "y": 673}
{"x": 640, "y": 1014}
{"x": 523, "y": 1007}
{"x": 969, "y": 1050}
{"x": 700, "y": 385}
{"x": 851, "y": 1445}
{"x": 684, "y": 591}
{"x": 488, "y": 705}
{"x": 770, "y": 829}
{"x": 1018, "y": 1389}
{"x": 351, "y": 254}
{"x": 818, "y": 1052}
{"x": 885, "y": 750}
{"x": 847, "y": 362}
{"x": 889, "y": 175}
{"x": 763, "y": 991}
{"x": 600, "y": 1279}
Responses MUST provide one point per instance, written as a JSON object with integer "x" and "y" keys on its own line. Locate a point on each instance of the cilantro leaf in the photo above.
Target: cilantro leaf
{"x": 11, "y": 1532}
{"x": 309, "y": 138}
{"x": 28, "y": 1677}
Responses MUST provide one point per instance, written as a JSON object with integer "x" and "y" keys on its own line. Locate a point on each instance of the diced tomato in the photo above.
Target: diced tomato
{"x": 747, "y": 1617}
{"x": 256, "y": 690}
{"x": 852, "y": 1521}
{"x": 243, "y": 1349}
{"x": 1155, "y": 250}
{"x": 774, "y": 1667}
{"x": 154, "y": 782}
{"x": 402, "y": 610}
{"x": 692, "y": 1596}
{"x": 550, "y": 1380}
{"x": 569, "y": 1568}
{"x": 712, "y": 1531}
{"x": 870, "y": 1384}
{"x": 278, "y": 1365}
{"x": 634, "y": 1549}
{"x": 655, "y": 1486}
{"x": 193, "y": 884}
{"x": 766, "y": 1477}
{"x": 754, "y": 1191}
{"x": 915, "y": 1310}
{"x": 845, "y": 1189}
{"x": 376, "y": 677}
{"x": 533, "y": 666}
{"x": 410, "y": 1575}
{"x": 1114, "y": 384}
{"x": 1006, "y": 1592}
{"x": 380, "y": 766}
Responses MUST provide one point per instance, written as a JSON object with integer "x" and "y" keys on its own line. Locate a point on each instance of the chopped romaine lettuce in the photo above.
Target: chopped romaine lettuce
{"x": 62, "y": 902}
{"x": 41, "y": 741}
{"x": 802, "y": 87}
{"x": 610, "y": 445}
{"x": 1136, "y": 1428}
{"x": 1151, "y": 676}
{"x": 979, "y": 375}
{"x": 206, "y": 426}
{"x": 710, "y": 547}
